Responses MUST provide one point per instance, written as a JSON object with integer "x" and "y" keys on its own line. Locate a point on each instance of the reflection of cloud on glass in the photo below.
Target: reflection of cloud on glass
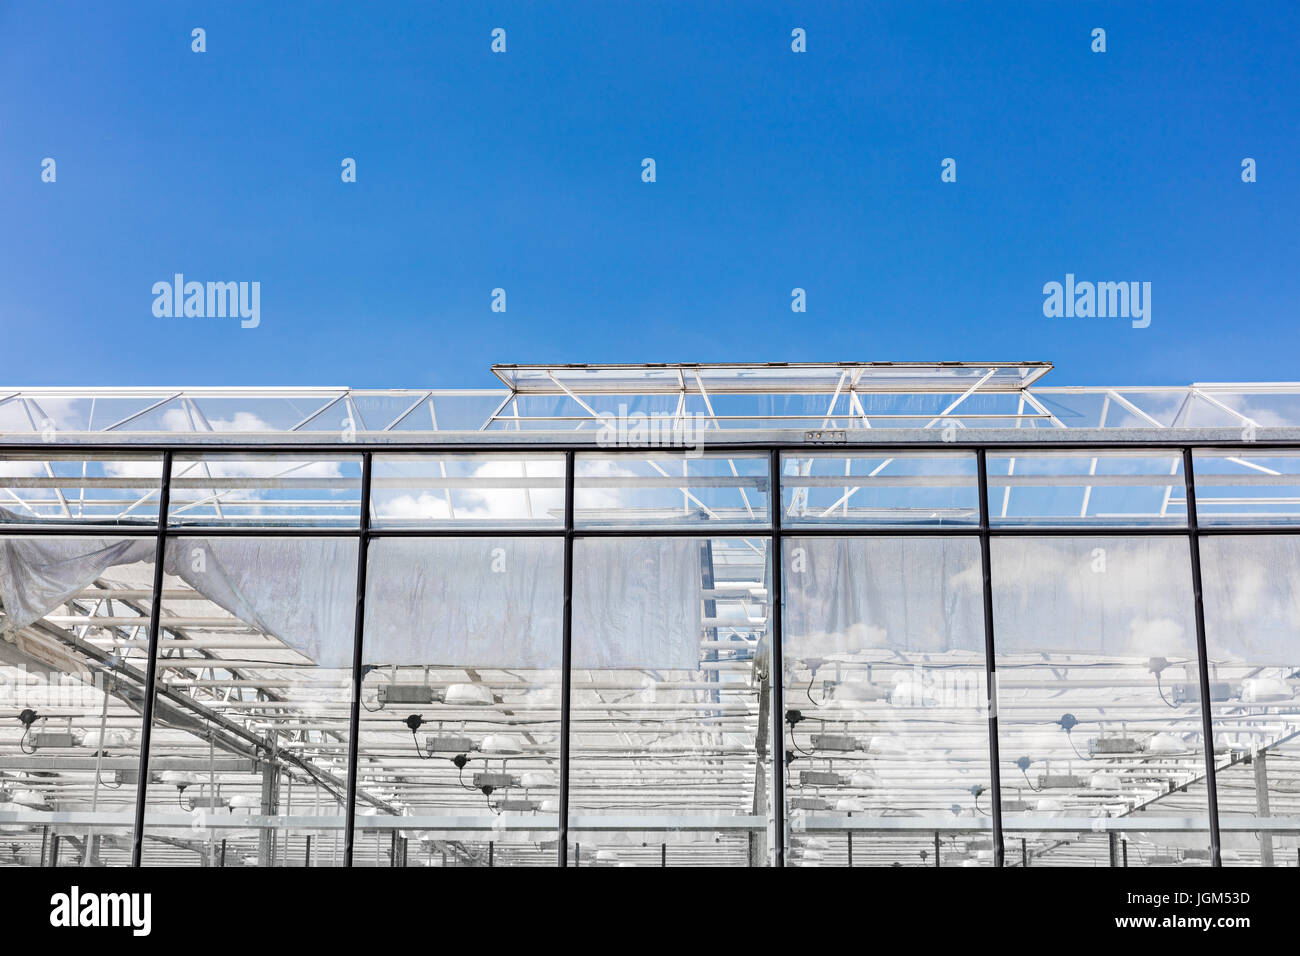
{"x": 1126, "y": 597}
{"x": 21, "y": 469}
{"x": 490, "y": 503}
{"x": 843, "y": 644}
{"x": 192, "y": 495}
{"x": 1252, "y": 598}
{"x": 1158, "y": 636}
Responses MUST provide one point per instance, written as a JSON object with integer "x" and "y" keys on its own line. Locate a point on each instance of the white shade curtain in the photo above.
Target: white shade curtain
{"x": 849, "y": 595}
{"x": 1120, "y": 598}
{"x": 473, "y": 602}
{"x": 299, "y": 590}
{"x": 637, "y": 603}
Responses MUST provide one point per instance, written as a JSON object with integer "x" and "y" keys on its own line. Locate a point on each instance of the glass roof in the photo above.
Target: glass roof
{"x": 789, "y": 403}
{"x": 782, "y": 376}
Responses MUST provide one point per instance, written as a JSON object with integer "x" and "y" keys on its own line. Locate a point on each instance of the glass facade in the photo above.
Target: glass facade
{"x": 789, "y": 656}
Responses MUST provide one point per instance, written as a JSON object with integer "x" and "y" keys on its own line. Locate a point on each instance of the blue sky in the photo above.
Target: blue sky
{"x": 522, "y": 170}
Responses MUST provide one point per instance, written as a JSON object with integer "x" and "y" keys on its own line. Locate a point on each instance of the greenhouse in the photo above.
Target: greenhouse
{"x": 854, "y": 614}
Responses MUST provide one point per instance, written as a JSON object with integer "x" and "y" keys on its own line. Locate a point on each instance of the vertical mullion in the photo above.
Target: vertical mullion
{"x": 358, "y": 637}
{"x": 1202, "y": 659}
{"x": 990, "y": 662}
{"x": 776, "y": 665}
{"x": 566, "y": 664}
{"x": 151, "y": 665}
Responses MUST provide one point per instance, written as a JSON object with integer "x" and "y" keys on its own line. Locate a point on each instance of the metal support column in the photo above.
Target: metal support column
{"x": 1260, "y": 760}
{"x": 270, "y": 797}
{"x": 776, "y": 666}
{"x": 566, "y": 664}
{"x": 151, "y": 665}
{"x": 358, "y": 633}
{"x": 990, "y": 662}
{"x": 1202, "y": 658}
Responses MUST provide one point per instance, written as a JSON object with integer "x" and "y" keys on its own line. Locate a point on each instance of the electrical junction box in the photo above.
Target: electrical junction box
{"x": 1059, "y": 781}
{"x": 515, "y": 803}
{"x": 854, "y": 690}
{"x": 51, "y": 738}
{"x": 820, "y": 778}
{"x": 1189, "y": 692}
{"x": 809, "y": 803}
{"x": 405, "y": 694}
{"x": 834, "y": 742}
{"x": 497, "y": 781}
{"x": 1115, "y": 745}
{"x": 210, "y": 803}
{"x": 448, "y": 745}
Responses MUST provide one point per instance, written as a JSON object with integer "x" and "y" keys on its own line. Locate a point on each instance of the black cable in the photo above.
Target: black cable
{"x": 1162, "y": 693}
{"x": 806, "y": 753}
{"x": 418, "y": 752}
{"x": 1069, "y": 736}
{"x": 1030, "y": 782}
{"x": 808, "y": 691}
{"x": 22, "y": 741}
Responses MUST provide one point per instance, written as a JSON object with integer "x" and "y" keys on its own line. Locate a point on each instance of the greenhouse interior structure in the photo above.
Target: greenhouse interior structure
{"x": 854, "y": 614}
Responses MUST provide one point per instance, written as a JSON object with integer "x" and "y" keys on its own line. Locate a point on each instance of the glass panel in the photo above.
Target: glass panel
{"x": 1099, "y": 710}
{"x": 658, "y": 489}
{"x": 256, "y": 645}
{"x": 886, "y": 727}
{"x": 434, "y": 491}
{"x": 671, "y": 759}
{"x": 1234, "y": 488}
{"x": 287, "y": 491}
{"x": 73, "y": 643}
{"x": 658, "y": 420}
{"x": 1087, "y": 488}
{"x": 70, "y": 489}
{"x": 460, "y": 730}
{"x": 1252, "y": 635}
{"x": 720, "y": 379}
{"x": 880, "y": 491}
